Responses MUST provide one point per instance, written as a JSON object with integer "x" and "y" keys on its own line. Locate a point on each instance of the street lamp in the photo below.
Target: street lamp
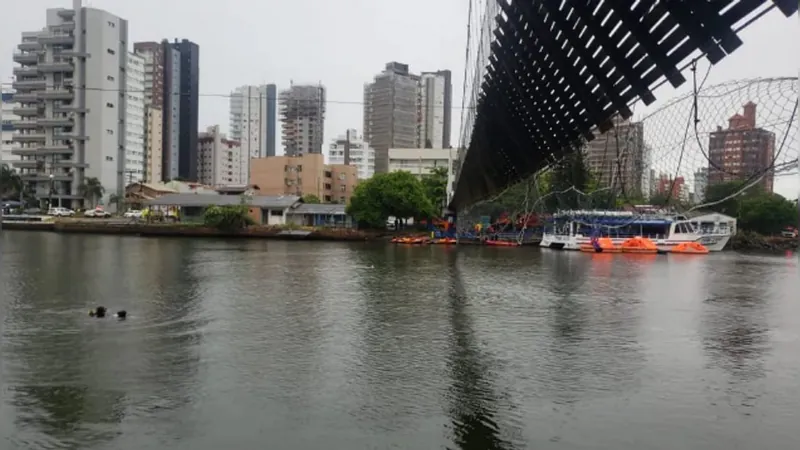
{"x": 52, "y": 180}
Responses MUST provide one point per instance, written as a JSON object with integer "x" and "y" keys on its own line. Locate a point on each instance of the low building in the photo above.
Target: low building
{"x": 304, "y": 175}
{"x": 138, "y": 193}
{"x": 320, "y": 215}
{"x": 264, "y": 209}
{"x": 421, "y": 161}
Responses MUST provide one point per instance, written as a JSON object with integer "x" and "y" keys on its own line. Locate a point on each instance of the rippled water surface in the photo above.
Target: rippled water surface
{"x": 256, "y": 344}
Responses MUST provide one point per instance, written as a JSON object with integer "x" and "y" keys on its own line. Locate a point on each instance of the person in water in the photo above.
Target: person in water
{"x": 101, "y": 311}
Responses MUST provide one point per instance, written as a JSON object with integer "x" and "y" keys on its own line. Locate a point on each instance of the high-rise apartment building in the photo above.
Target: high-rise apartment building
{"x": 134, "y": 120}
{"x": 172, "y": 82}
{"x": 351, "y": 149}
{"x": 7, "y": 120}
{"x": 617, "y": 157}
{"x": 302, "y": 109}
{"x": 700, "y": 184}
{"x": 404, "y": 110}
{"x": 220, "y": 161}
{"x": 435, "y": 109}
{"x": 153, "y": 55}
{"x": 253, "y": 120}
{"x": 742, "y": 151}
{"x": 79, "y": 47}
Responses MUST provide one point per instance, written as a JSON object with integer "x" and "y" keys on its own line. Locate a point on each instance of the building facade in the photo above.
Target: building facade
{"x": 742, "y": 151}
{"x": 134, "y": 120}
{"x": 302, "y": 109}
{"x": 253, "y": 120}
{"x": 304, "y": 175}
{"x": 7, "y": 118}
{"x": 153, "y": 55}
{"x": 351, "y": 149}
{"x": 405, "y": 110}
{"x": 172, "y": 83}
{"x": 700, "y": 185}
{"x": 421, "y": 162}
{"x": 435, "y": 109}
{"x": 221, "y": 161}
{"x": 617, "y": 157}
{"x": 78, "y": 47}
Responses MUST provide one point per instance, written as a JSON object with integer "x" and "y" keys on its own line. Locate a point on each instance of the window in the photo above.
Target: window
{"x": 111, "y": 52}
{"x": 109, "y": 158}
{"x": 327, "y": 186}
{"x": 110, "y": 78}
{"x": 112, "y": 24}
{"x": 109, "y": 105}
{"x": 109, "y": 131}
{"x": 343, "y": 188}
{"x": 275, "y": 213}
{"x": 300, "y": 168}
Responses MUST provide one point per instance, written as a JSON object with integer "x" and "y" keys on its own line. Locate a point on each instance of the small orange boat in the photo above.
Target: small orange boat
{"x": 639, "y": 245}
{"x": 606, "y": 246}
{"x": 501, "y": 243}
{"x": 410, "y": 240}
{"x": 690, "y": 248}
{"x": 444, "y": 241}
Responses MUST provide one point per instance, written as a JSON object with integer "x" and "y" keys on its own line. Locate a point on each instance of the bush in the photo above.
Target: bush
{"x": 227, "y": 218}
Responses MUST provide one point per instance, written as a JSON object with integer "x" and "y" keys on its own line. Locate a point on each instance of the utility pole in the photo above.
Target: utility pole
{"x": 347, "y": 148}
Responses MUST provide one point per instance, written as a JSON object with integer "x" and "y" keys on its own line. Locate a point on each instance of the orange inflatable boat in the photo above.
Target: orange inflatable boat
{"x": 690, "y": 248}
{"x": 639, "y": 245}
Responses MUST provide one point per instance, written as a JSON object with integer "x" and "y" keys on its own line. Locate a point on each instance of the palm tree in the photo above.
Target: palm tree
{"x": 10, "y": 182}
{"x": 91, "y": 190}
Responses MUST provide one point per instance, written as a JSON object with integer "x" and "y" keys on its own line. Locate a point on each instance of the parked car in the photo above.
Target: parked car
{"x": 60, "y": 212}
{"x": 98, "y": 213}
{"x": 789, "y": 232}
{"x": 133, "y": 213}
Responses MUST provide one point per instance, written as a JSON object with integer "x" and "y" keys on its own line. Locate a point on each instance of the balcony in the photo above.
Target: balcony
{"x": 71, "y": 108}
{"x": 42, "y": 176}
{"x": 26, "y": 58}
{"x": 26, "y": 71}
{"x": 26, "y": 164}
{"x": 28, "y": 151}
{"x": 26, "y": 111}
{"x": 30, "y": 137}
{"x": 74, "y": 53}
{"x": 60, "y": 149}
{"x": 28, "y": 85}
{"x": 27, "y": 46}
{"x": 73, "y": 136}
{"x": 57, "y": 38}
{"x": 27, "y": 97}
{"x": 66, "y": 13}
{"x": 57, "y": 93}
{"x": 56, "y": 66}
{"x": 24, "y": 124}
{"x": 65, "y": 26}
{"x": 70, "y": 165}
{"x": 55, "y": 122}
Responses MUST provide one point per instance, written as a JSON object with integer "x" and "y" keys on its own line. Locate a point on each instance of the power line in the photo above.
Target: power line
{"x": 233, "y": 95}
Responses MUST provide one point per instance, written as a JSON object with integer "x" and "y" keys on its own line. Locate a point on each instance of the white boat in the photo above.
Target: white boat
{"x": 571, "y": 229}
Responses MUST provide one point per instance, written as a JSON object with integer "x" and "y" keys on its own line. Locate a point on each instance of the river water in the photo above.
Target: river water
{"x": 294, "y": 345}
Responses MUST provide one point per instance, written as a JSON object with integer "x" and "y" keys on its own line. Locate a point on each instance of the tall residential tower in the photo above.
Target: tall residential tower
{"x": 253, "y": 119}
{"x": 302, "y": 119}
{"x": 70, "y": 85}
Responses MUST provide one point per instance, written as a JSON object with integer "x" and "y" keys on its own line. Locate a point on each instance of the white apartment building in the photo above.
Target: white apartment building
{"x": 220, "y": 161}
{"x": 67, "y": 134}
{"x": 361, "y": 154}
{"x": 134, "y": 120}
{"x": 432, "y": 108}
{"x": 153, "y": 141}
{"x": 421, "y": 161}
{"x": 152, "y": 54}
{"x": 253, "y": 119}
{"x": 7, "y": 120}
{"x": 302, "y": 110}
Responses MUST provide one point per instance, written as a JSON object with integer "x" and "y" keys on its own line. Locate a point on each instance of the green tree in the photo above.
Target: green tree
{"x": 570, "y": 172}
{"x": 10, "y": 182}
{"x": 755, "y": 209}
{"x": 435, "y": 185}
{"x": 311, "y": 198}
{"x": 91, "y": 190}
{"x": 229, "y": 217}
{"x": 398, "y": 194}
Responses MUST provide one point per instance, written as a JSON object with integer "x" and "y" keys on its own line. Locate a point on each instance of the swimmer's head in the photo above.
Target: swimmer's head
{"x": 100, "y": 311}
{"x": 122, "y": 314}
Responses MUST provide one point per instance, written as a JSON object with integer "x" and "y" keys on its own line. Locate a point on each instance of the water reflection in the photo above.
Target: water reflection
{"x": 473, "y": 402}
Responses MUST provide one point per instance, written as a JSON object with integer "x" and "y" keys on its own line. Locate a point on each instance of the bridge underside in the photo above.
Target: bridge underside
{"x": 558, "y": 68}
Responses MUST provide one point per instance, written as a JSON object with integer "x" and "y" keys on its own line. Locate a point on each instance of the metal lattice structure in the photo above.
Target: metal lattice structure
{"x": 560, "y": 68}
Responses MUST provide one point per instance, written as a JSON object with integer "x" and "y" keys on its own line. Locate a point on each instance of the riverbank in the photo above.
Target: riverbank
{"x": 192, "y": 230}
{"x": 753, "y": 242}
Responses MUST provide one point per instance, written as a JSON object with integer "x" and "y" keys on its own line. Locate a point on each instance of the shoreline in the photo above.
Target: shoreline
{"x": 195, "y": 231}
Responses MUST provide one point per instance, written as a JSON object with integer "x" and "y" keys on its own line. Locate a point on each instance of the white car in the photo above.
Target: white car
{"x": 60, "y": 212}
{"x": 98, "y": 213}
{"x": 133, "y": 213}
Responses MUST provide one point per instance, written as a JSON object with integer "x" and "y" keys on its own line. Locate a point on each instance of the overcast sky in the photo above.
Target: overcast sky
{"x": 344, "y": 43}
